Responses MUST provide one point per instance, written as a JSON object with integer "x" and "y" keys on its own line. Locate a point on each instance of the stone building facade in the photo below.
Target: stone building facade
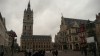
{"x": 30, "y": 41}
{"x": 36, "y": 42}
{"x": 68, "y": 36}
{"x": 83, "y": 34}
{"x": 97, "y": 25}
{"x": 3, "y": 32}
{"x": 5, "y": 42}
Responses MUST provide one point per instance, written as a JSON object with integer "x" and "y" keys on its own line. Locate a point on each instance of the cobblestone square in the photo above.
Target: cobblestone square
{"x": 61, "y": 53}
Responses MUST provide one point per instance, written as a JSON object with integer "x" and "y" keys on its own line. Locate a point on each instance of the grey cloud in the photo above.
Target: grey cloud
{"x": 47, "y": 13}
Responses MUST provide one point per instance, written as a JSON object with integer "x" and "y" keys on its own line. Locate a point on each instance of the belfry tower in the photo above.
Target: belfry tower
{"x": 28, "y": 21}
{"x": 28, "y": 40}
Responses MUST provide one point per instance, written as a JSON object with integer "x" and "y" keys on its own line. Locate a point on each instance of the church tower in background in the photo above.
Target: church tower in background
{"x": 28, "y": 21}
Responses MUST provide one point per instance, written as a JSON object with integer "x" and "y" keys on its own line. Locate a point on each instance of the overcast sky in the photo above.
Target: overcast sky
{"x": 47, "y": 13}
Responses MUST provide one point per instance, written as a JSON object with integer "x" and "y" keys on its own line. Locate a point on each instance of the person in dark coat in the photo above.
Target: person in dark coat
{"x": 81, "y": 48}
{"x": 94, "y": 50}
{"x": 29, "y": 54}
{"x": 35, "y": 54}
{"x": 2, "y": 51}
{"x": 53, "y": 52}
{"x": 43, "y": 52}
{"x": 50, "y": 50}
{"x": 85, "y": 49}
{"x": 56, "y": 53}
{"x": 25, "y": 53}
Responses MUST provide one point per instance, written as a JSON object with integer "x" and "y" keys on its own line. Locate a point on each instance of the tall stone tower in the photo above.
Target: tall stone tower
{"x": 28, "y": 40}
{"x": 28, "y": 21}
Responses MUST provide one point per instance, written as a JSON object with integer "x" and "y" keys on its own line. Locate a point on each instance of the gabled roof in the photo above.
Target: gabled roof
{"x": 75, "y": 24}
{"x": 71, "y": 21}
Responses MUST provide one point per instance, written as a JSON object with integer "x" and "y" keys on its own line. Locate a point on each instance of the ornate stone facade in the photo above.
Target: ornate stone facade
{"x": 29, "y": 41}
{"x": 68, "y": 36}
{"x": 82, "y": 34}
{"x": 36, "y": 42}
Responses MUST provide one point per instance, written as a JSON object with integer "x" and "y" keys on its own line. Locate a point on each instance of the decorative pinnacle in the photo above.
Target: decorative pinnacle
{"x": 62, "y": 15}
{"x": 29, "y": 4}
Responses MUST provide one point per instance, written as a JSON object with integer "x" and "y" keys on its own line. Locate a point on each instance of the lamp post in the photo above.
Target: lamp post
{"x": 12, "y": 34}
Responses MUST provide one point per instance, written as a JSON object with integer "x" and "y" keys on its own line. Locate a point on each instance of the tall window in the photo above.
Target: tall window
{"x": 76, "y": 39}
{"x": 28, "y": 16}
{"x": 25, "y": 27}
{"x": 30, "y": 27}
{"x": 70, "y": 38}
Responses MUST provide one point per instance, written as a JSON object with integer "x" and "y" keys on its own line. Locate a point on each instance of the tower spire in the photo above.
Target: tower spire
{"x": 62, "y": 15}
{"x": 0, "y": 15}
{"x": 29, "y": 4}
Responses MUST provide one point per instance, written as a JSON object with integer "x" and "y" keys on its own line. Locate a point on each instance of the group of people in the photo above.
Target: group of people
{"x": 85, "y": 49}
{"x": 2, "y": 53}
{"x": 35, "y": 53}
{"x": 40, "y": 53}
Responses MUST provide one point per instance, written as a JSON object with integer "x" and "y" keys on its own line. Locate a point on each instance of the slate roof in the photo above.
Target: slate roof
{"x": 36, "y": 36}
{"x": 70, "y": 21}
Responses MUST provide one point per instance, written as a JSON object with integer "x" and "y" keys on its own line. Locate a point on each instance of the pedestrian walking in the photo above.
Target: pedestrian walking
{"x": 25, "y": 53}
{"x": 94, "y": 50}
{"x": 50, "y": 50}
{"x": 43, "y": 52}
{"x": 56, "y": 52}
{"x": 85, "y": 49}
{"x": 81, "y": 49}
{"x": 35, "y": 54}
{"x": 29, "y": 54}
{"x": 53, "y": 52}
{"x": 1, "y": 50}
{"x": 2, "y": 53}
